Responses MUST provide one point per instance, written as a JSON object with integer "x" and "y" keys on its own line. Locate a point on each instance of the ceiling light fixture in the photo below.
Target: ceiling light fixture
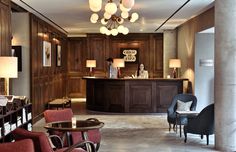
{"x": 112, "y": 23}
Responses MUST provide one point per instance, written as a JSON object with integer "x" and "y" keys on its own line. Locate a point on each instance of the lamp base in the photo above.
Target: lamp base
{"x": 174, "y": 73}
{"x": 6, "y": 86}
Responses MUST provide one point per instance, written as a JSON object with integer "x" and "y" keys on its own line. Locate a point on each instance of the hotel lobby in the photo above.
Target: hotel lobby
{"x": 117, "y": 75}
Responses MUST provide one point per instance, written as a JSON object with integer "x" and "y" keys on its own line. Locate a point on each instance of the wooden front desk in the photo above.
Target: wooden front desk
{"x": 131, "y": 95}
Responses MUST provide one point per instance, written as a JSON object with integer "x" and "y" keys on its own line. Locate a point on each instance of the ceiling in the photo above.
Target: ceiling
{"x": 74, "y": 15}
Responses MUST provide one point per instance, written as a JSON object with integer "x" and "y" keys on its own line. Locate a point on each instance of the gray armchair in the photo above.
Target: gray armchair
{"x": 171, "y": 111}
{"x": 202, "y": 124}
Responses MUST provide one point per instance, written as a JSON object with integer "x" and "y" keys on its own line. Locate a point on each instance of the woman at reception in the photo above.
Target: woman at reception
{"x": 141, "y": 72}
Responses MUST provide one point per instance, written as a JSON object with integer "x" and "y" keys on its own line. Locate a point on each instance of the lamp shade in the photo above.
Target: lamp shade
{"x": 8, "y": 67}
{"x": 174, "y": 63}
{"x": 90, "y": 63}
{"x": 118, "y": 62}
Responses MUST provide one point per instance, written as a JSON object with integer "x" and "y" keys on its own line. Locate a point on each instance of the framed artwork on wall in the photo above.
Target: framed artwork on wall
{"x": 58, "y": 55}
{"x": 130, "y": 55}
{"x": 47, "y": 54}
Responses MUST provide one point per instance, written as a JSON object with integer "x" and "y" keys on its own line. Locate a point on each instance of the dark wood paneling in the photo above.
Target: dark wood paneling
{"x": 5, "y": 33}
{"x": 140, "y": 96}
{"x": 47, "y": 83}
{"x": 170, "y": 87}
{"x": 100, "y": 47}
{"x": 131, "y": 95}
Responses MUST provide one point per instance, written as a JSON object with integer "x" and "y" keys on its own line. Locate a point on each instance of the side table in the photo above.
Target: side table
{"x": 180, "y": 114}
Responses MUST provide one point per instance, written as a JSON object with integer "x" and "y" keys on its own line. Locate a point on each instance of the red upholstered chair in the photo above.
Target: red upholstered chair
{"x": 66, "y": 115}
{"x": 25, "y": 145}
{"x": 41, "y": 142}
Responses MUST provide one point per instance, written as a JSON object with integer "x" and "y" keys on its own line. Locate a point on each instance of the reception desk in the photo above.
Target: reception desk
{"x": 131, "y": 95}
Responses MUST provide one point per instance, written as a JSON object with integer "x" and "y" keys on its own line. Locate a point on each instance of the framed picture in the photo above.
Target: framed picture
{"x": 58, "y": 55}
{"x": 130, "y": 55}
{"x": 47, "y": 54}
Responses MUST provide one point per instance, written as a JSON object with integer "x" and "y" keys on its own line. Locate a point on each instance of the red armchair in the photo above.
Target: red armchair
{"x": 41, "y": 142}
{"x": 18, "y": 146}
{"x": 66, "y": 115}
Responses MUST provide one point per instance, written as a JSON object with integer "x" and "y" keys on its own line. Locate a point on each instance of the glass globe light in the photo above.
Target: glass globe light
{"x": 125, "y": 31}
{"x": 103, "y": 21}
{"x": 95, "y": 5}
{"x": 111, "y": 8}
{"x": 123, "y": 9}
{"x": 134, "y": 16}
{"x": 120, "y": 28}
{"x": 103, "y": 29}
{"x": 108, "y": 32}
{"x": 114, "y": 32}
{"x": 128, "y": 3}
{"x": 124, "y": 15}
{"x": 94, "y": 16}
{"x": 107, "y": 15}
{"x": 92, "y": 21}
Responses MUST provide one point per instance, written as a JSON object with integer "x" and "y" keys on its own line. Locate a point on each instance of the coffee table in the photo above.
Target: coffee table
{"x": 180, "y": 114}
{"x": 82, "y": 126}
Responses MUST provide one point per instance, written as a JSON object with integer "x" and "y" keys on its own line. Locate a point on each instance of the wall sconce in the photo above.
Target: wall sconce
{"x": 90, "y": 64}
{"x": 119, "y": 63}
{"x": 8, "y": 69}
{"x": 174, "y": 63}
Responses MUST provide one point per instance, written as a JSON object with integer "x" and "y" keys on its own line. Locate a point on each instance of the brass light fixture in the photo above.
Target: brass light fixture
{"x": 112, "y": 23}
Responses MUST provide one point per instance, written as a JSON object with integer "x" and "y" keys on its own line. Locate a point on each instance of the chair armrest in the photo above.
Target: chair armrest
{"x": 81, "y": 144}
{"x": 92, "y": 119}
{"x": 60, "y": 140}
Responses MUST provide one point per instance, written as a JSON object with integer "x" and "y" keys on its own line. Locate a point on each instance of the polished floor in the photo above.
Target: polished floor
{"x": 138, "y": 133}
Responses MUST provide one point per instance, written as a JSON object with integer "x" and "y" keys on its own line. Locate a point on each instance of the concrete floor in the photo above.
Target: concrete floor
{"x": 139, "y": 133}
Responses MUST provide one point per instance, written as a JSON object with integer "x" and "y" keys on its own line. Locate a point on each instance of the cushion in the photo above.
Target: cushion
{"x": 183, "y": 106}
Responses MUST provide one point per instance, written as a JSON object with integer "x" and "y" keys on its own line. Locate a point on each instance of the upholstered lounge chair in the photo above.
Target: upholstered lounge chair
{"x": 171, "y": 111}
{"x": 41, "y": 142}
{"x": 25, "y": 145}
{"x": 66, "y": 115}
{"x": 202, "y": 124}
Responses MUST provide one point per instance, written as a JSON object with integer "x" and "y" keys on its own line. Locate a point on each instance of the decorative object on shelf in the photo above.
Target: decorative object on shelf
{"x": 58, "y": 47}
{"x": 112, "y": 23}
{"x": 90, "y": 64}
{"x": 174, "y": 63}
{"x": 8, "y": 69}
{"x": 47, "y": 54}
{"x": 130, "y": 55}
{"x": 119, "y": 63}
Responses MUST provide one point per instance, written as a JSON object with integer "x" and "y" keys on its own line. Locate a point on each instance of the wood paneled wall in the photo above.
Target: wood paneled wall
{"x": 100, "y": 47}
{"x": 5, "y": 33}
{"x": 47, "y": 83}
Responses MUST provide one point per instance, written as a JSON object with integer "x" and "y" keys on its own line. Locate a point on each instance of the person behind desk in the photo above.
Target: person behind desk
{"x": 112, "y": 71}
{"x": 141, "y": 73}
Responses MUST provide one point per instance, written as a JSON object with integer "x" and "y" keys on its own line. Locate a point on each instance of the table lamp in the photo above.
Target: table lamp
{"x": 174, "y": 63}
{"x": 8, "y": 69}
{"x": 90, "y": 64}
{"x": 119, "y": 63}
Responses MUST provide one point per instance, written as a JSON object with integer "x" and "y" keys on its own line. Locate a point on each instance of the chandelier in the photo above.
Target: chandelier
{"x": 111, "y": 22}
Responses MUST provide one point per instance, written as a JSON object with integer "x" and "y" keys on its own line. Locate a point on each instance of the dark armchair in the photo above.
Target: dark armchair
{"x": 171, "y": 111}
{"x": 202, "y": 124}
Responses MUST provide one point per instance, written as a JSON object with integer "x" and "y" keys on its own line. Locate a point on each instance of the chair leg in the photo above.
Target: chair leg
{"x": 185, "y": 137}
{"x": 207, "y": 139}
{"x": 97, "y": 146}
{"x": 201, "y": 136}
{"x": 169, "y": 127}
{"x": 174, "y": 127}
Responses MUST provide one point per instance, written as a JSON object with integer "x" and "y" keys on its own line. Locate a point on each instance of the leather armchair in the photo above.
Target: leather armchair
{"x": 41, "y": 142}
{"x": 202, "y": 124}
{"x": 171, "y": 111}
{"x": 66, "y": 115}
{"x": 18, "y": 146}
